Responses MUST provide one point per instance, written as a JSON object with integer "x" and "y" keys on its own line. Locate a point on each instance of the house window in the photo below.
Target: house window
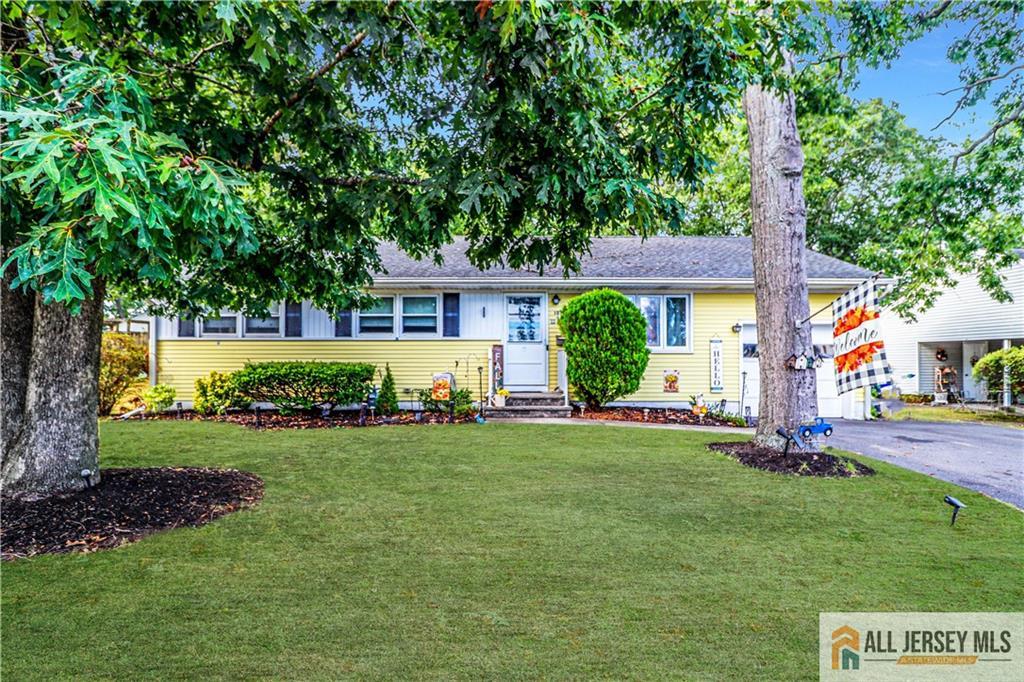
{"x": 186, "y": 327}
{"x": 650, "y": 306}
{"x": 667, "y": 320}
{"x": 379, "y": 318}
{"x": 225, "y": 323}
{"x": 419, "y": 314}
{"x": 269, "y": 325}
{"x": 675, "y": 321}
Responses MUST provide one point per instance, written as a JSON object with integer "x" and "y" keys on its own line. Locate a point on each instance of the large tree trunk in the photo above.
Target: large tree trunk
{"x": 59, "y": 435}
{"x": 16, "y": 312}
{"x": 778, "y": 224}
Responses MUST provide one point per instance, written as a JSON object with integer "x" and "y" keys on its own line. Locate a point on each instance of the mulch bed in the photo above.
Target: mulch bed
{"x": 795, "y": 462}
{"x": 653, "y": 416}
{"x": 271, "y": 420}
{"x": 127, "y": 505}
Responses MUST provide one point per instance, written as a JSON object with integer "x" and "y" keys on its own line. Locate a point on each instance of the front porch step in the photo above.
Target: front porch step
{"x": 538, "y": 399}
{"x": 528, "y": 412}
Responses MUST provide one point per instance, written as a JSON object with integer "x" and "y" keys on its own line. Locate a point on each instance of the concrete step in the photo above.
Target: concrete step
{"x": 528, "y": 412}
{"x": 554, "y": 399}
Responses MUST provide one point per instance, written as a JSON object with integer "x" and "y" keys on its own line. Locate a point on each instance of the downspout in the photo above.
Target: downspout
{"x": 152, "y": 350}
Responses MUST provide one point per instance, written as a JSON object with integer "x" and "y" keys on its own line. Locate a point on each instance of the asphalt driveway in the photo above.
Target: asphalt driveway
{"x": 982, "y": 457}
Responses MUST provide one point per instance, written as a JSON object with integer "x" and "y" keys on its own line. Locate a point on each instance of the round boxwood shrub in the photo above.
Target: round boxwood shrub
{"x": 605, "y": 346}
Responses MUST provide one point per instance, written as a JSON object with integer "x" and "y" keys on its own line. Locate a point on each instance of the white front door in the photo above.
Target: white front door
{"x": 974, "y": 390}
{"x": 526, "y": 342}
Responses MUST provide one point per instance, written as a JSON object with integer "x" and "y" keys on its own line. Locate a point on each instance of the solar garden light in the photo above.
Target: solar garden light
{"x": 179, "y": 409}
{"x": 480, "y": 413}
{"x": 957, "y": 505}
{"x": 258, "y": 413}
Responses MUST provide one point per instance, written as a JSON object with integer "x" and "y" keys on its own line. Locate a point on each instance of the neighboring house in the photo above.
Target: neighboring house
{"x": 697, "y": 294}
{"x": 964, "y": 324}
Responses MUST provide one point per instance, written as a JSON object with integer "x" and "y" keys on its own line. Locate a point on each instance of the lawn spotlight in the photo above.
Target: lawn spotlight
{"x": 790, "y": 438}
{"x": 957, "y": 505}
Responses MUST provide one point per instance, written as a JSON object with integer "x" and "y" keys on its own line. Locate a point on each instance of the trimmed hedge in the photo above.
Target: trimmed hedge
{"x": 605, "y": 346}
{"x": 294, "y": 386}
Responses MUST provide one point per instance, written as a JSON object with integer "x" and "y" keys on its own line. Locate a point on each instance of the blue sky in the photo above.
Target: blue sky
{"x": 914, "y": 81}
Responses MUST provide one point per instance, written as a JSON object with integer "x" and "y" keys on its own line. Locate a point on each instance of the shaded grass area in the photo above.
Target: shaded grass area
{"x": 501, "y": 550}
{"x": 928, "y": 413}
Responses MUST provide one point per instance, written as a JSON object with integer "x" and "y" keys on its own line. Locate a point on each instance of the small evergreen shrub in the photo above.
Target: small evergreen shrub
{"x": 387, "y": 399}
{"x": 605, "y": 346}
{"x": 463, "y": 399}
{"x": 158, "y": 398}
{"x": 990, "y": 369}
{"x": 123, "y": 360}
{"x": 216, "y": 393}
{"x": 295, "y": 386}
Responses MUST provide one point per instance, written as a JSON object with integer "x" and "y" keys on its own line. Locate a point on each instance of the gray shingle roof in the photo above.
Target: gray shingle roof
{"x": 617, "y": 258}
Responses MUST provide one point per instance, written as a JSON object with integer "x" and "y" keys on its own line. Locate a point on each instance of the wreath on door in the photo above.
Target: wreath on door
{"x": 941, "y": 355}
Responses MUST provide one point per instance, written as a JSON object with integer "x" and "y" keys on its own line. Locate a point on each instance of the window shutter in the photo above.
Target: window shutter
{"x": 293, "y": 319}
{"x": 451, "y": 315}
{"x": 343, "y": 323}
{"x": 186, "y": 327}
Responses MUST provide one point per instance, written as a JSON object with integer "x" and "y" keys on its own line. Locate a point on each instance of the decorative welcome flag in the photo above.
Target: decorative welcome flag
{"x": 857, "y": 333}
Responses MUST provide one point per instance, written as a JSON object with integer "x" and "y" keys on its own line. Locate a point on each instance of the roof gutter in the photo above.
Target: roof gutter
{"x": 584, "y": 283}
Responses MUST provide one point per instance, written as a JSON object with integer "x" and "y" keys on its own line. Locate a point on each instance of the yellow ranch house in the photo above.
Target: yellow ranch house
{"x": 499, "y": 327}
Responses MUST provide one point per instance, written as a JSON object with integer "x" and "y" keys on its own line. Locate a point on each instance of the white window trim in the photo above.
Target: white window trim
{"x": 201, "y": 327}
{"x": 265, "y": 335}
{"x": 662, "y": 347}
{"x": 357, "y": 316}
{"x": 400, "y": 313}
{"x": 396, "y": 332}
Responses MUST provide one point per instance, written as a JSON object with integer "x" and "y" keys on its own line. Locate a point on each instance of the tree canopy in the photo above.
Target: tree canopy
{"x": 230, "y": 153}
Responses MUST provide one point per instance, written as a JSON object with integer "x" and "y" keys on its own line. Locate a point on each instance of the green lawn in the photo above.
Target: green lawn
{"x": 504, "y": 551}
{"x": 928, "y": 413}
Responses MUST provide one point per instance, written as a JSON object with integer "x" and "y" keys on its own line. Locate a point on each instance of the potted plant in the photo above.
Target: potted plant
{"x": 498, "y": 400}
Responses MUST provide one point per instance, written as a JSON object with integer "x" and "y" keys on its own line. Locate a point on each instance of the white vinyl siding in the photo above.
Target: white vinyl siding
{"x": 964, "y": 313}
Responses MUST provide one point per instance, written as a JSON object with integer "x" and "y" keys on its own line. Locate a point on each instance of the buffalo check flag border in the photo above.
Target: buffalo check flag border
{"x": 876, "y": 372}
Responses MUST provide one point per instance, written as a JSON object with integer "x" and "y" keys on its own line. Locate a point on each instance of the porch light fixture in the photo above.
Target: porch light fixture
{"x": 737, "y": 328}
{"x": 555, "y": 299}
